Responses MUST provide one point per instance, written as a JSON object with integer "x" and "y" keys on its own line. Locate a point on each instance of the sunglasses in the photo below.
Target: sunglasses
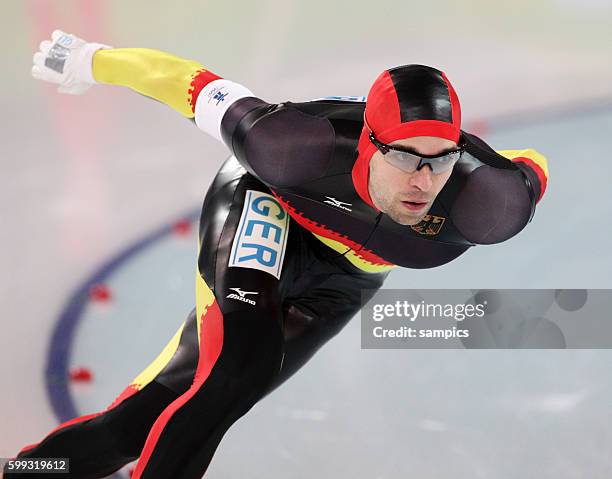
{"x": 410, "y": 162}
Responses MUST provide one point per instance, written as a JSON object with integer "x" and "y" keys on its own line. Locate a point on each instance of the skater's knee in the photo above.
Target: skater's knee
{"x": 246, "y": 366}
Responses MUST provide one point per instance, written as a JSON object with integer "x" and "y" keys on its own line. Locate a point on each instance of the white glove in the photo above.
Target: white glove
{"x": 66, "y": 60}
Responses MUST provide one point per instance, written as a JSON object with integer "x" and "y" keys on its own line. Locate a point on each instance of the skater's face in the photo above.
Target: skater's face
{"x": 407, "y": 197}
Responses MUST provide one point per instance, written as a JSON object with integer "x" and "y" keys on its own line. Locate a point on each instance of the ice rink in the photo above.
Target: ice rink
{"x": 92, "y": 187}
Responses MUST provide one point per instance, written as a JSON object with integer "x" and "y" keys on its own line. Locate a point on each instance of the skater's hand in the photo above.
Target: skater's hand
{"x": 66, "y": 60}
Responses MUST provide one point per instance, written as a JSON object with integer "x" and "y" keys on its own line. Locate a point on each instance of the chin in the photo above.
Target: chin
{"x": 407, "y": 220}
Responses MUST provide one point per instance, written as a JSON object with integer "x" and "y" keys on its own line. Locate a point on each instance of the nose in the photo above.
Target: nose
{"x": 422, "y": 178}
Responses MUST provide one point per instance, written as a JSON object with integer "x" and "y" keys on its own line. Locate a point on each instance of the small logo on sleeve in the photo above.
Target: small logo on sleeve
{"x": 217, "y": 95}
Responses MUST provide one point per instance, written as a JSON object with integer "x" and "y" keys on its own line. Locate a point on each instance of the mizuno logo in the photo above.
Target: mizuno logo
{"x": 241, "y": 295}
{"x": 338, "y": 204}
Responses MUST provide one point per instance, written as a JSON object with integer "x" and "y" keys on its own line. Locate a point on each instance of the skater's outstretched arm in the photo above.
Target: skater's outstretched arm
{"x": 162, "y": 76}
{"x": 76, "y": 65}
{"x": 222, "y": 108}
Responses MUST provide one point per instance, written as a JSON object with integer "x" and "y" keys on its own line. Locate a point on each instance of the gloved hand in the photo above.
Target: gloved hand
{"x": 67, "y": 61}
